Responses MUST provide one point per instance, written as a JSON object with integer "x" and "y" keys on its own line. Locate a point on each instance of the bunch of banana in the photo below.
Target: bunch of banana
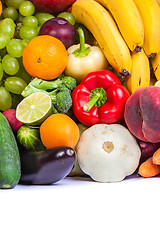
{"x": 128, "y": 32}
{"x": 138, "y": 22}
{"x": 129, "y": 21}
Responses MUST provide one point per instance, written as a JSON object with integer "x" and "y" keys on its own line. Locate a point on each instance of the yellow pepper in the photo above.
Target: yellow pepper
{"x": 83, "y": 59}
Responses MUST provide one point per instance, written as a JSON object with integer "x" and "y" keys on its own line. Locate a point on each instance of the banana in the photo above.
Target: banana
{"x": 100, "y": 23}
{"x": 140, "y": 72}
{"x": 158, "y": 1}
{"x": 150, "y": 13}
{"x": 156, "y": 66}
{"x": 129, "y": 21}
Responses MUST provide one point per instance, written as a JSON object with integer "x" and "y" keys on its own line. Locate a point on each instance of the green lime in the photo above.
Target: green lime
{"x": 34, "y": 109}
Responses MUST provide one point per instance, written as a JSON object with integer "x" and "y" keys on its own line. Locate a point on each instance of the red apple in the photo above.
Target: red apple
{"x": 10, "y": 115}
{"x": 52, "y": 6}
{"x": 142, "y": 114}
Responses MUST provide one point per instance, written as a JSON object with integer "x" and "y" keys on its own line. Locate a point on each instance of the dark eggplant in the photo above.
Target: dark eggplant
{"x": 47, "y": 166}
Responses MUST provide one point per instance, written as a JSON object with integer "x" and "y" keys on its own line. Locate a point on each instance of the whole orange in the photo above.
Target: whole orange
{"x": 45, "y": 57}
{"x": 0, "y": 7}
{"x": 59, "y": 130}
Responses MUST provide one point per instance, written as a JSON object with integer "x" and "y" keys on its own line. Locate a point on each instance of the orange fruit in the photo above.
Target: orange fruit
{"x": 45, "y": 57}
{"x": 59, "y": 130}
{"x": 0, "y": 7}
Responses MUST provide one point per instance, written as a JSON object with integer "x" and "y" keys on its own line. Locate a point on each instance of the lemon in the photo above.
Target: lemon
{"x": 34, "y": 109}
{"x": 157, "y": 84}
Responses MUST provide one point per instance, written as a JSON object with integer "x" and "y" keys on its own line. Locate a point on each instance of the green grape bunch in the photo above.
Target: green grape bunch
{"x": 17, "y": 27}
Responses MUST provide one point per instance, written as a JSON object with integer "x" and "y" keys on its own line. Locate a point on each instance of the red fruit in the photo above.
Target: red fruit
{"x": 10, "y": 115}
{"x": 52, "y": 6}
{"x": 142, "y": 114}
{"x": 59, "y": 28}
{"x": 147, "y": 148}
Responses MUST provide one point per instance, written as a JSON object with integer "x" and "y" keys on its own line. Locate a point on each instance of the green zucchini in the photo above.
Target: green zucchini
{"x": 10, "y": 167}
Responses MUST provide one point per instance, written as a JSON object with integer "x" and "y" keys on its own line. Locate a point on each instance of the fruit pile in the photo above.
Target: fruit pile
{"x": 79, "y": 90}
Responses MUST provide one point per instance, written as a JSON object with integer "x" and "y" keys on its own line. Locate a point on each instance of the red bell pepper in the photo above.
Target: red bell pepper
{"x": 99, "y": 98}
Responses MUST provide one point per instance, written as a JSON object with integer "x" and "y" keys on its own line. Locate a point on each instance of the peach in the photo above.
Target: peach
{"x": 142, "y": 114}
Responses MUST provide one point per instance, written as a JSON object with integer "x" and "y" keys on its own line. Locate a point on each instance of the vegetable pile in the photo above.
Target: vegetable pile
{"x": 79, "y": 96}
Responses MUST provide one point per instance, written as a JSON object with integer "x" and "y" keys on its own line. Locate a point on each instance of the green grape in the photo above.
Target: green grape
{"x": 1, "y": 71}
{"x": 5, "y": 99}
{"x": 25, "y": 42}
{"x": 14, "y": 3}
{"x": 68, "y": 16}
{"x": 1, "y": 83}
{"x": 43, "y": 17}
{"x": 8, "y": 26}
{"x": 4, "y": 39}
{"x": 17, "y": 34}
{"x": 22, "y": 73}
{"x": 16, "y": 99}
{"x": 30, "y": 21}
{"x": 15, "y": 48}
{"x": 10, "y": 64}
{"x": 19, "y": 18}
{"x": 38, "y": 29}
{"x": 3, "y": 52}
{"x": 18, "y": 26}
{"x": 26, "y": 8}
{"x": 15, "y": 85}
{"x": 10, "y": 12}
{"x": 27, "y": 32}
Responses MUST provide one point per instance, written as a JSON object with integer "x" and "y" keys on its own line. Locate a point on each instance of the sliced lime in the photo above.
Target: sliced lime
{"x": 34, "y": 109}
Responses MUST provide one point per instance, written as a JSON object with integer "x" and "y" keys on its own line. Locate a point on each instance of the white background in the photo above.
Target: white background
{"x": 79, "y": 208}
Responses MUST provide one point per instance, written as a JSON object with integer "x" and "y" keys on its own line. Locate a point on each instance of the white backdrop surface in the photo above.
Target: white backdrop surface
{"x": 81, "y": 209}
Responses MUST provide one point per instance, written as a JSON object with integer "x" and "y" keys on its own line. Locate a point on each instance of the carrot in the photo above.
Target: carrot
{"x": 148, "y": 168}
{"x": 156, "y": 157}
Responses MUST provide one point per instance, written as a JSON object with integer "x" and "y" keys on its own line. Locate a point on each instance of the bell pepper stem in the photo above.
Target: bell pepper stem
{"x": 82, "y": 39}
{"x": 97, "y": 98}
{"x": 82, "y": 51}
{"x": 91, "y": 103}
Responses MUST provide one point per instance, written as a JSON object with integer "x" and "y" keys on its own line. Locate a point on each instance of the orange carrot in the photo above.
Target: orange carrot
{"x": 156, "y": 156}
{"x": 148, "y": 168}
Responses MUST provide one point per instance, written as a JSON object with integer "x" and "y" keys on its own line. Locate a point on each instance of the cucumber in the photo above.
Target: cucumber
{"x": 10, "y": 167}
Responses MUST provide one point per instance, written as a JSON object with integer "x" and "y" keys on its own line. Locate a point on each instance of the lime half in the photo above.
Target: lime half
{"x": 34, "y": 109}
